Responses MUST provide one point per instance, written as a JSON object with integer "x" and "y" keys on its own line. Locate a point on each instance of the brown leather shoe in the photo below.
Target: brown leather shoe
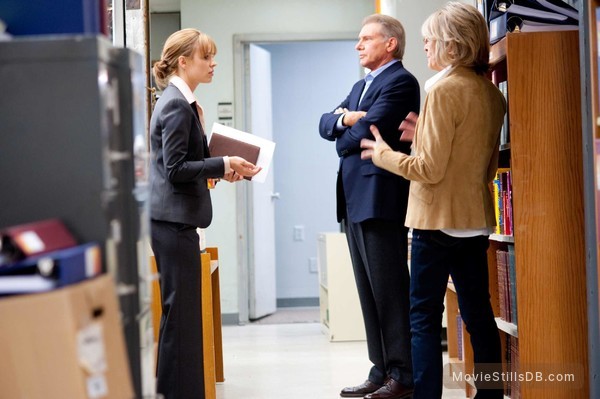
{"x": 392, "y": 389}
{"x": 360, "y": 390}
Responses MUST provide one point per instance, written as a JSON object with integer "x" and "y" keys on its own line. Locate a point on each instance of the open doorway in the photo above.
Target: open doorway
{"x": 283, "y": 85}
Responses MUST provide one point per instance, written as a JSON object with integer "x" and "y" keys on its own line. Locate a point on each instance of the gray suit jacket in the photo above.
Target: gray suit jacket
{"x": 180, "y": 163}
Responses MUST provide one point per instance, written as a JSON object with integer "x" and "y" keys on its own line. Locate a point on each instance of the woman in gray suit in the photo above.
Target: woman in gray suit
{"x": 180, "y": 175}
{"x": 450, "y": 207}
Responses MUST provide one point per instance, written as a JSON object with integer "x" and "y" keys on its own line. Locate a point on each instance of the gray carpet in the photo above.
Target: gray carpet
{"x": 291, "y": 315}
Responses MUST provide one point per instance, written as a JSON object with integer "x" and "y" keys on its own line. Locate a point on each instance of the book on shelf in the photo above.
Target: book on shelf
{"x": 503, "y": 293}
{"x": 512, "y": 283}
{"x": 498, "y": 205}
{"x": 496, "y": 192}
{"x": 514, "y": 383}
{"x": 505, "y": 199}
{"x": 507, "y": 284}
{"x": 507, "y": 363}
{"x": 511, "y": 360}
{"x": 507, "y": 193}
{"x": 502, "y": 191}
{"x": 505, "y": 132}
{"x": 459, "y": 337}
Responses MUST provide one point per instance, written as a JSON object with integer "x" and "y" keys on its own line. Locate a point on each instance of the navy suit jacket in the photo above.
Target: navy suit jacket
{"x": 365, "y": 191}
{"x": 180, "y": 163}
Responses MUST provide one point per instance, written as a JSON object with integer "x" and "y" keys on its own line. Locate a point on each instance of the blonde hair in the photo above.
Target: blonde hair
{"x": 460, "y": 37}
{"x": 184, "y": 42}
{"x": 390, "y": 27}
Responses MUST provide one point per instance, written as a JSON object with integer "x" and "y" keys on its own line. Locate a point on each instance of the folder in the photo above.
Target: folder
{"x": 51, "y": 270}
{"x": 221, "y": 145}
{"x": 530, "y": 16}
{"x": 21, "y": 241}
{"x": 11, "y": 285}
{"x": 519, "y": 24}
{"x": 543, "y": 10}
{"x": 257, "y": 150}
{"x": 560, "y": 7}
{"x": 509, "y": 22}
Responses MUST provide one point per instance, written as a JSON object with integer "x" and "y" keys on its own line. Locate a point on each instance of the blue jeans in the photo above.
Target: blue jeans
{"x": 434, "y": 257}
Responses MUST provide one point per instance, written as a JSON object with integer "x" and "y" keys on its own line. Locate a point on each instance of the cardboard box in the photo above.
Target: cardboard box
{"x": 64, "y": 344}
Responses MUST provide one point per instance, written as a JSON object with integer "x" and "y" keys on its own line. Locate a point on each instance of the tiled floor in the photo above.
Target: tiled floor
{"x": 291, "y": 361}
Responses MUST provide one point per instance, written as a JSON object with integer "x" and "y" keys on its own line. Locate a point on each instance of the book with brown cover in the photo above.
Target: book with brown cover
{"x": 221, "y": 145}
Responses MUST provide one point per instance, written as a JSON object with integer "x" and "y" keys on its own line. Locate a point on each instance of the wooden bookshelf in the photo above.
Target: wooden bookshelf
{"x": 545, "y": 109}
{"x": 507, "y": 327}
{"x": 593, "y": 52}
{"x": 542, "y": 70}
{"x": 590, "y": 21}
{"x": 502, "y": 238}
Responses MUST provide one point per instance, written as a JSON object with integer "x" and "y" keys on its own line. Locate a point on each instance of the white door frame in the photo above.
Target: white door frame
{"x": 242, "y": 117}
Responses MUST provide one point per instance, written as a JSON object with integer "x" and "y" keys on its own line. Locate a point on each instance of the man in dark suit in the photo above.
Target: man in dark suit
{"x": 372, "y": 202}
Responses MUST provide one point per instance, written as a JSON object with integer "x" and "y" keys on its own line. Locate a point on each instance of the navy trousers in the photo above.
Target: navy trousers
{"x": 378, "y": 249}
{"x": 434, "y": 257}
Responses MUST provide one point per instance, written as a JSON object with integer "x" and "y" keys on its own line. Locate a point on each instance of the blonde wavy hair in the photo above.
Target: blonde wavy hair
{"x": 184, "y": 43}
{"x": 460, "y": 37}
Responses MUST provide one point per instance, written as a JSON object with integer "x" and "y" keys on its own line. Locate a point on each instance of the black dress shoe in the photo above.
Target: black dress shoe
{"x": 392, "y": 389}
{"x": 360, "y": 390}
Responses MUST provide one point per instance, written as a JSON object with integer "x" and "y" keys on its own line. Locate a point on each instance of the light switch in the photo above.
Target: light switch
{"x": 312, "y": 265}
{"x": 298, "y": 233}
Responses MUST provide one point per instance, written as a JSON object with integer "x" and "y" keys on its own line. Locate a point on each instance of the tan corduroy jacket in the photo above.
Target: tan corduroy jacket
{"x": 455, "y": 154}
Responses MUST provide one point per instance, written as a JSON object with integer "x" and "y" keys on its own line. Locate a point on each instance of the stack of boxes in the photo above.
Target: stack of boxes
{"x": 61, "y": 333}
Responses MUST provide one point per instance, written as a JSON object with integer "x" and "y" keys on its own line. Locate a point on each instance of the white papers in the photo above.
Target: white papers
{"x": 267, "y": 147}
{"x": 566, "y": 10}
{"x": 533, "y": 12}
{"x": 533, "y": 26}
{"x": 25, "y": 284}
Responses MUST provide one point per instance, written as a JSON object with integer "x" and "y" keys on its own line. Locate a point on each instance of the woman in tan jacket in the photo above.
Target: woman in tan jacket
{"x": 450, "y": 207}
